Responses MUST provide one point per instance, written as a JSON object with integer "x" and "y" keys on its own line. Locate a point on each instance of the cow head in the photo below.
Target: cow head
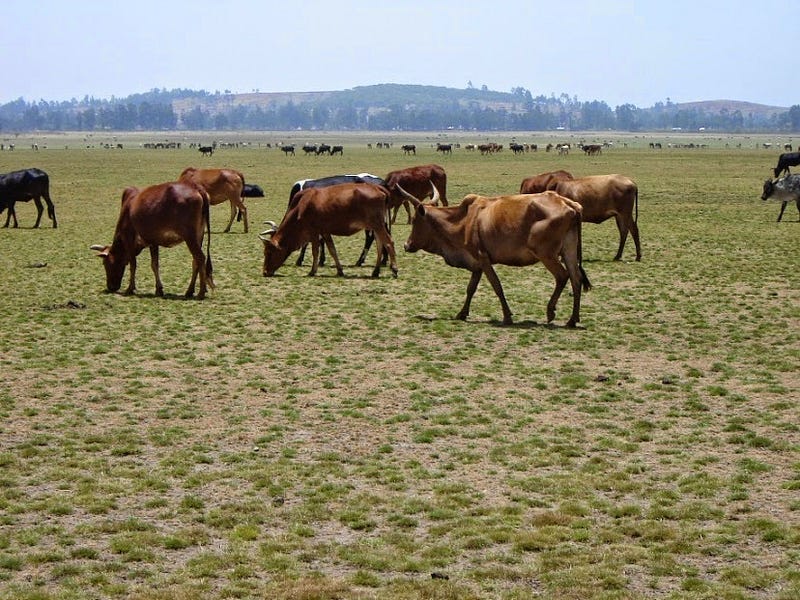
{"x": 421, "y": 229}
{"x": 274, "y": 254}
{"x": 114, "y": 267}
{"x": 769, "y": 189}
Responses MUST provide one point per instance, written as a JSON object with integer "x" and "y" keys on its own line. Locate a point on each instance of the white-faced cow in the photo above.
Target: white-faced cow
{"x": 160, "y": 215}
{"x": 417, "y": 182}
{"x": 603, "y": 197}
{"x": 786, "y": 160}
{"x": 222, "y": 185}
{"x": 786, "y": 189}
{"x": 515, "y": 230}
{"x": 320, "y": 213}
{"x": 22, "y": 186}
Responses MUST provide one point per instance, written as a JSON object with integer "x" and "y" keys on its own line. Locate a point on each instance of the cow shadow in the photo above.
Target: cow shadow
{"x": 521, "y": 325}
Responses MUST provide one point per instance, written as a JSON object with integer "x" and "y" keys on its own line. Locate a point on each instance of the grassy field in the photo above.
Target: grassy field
{"x": 321, "y": 438}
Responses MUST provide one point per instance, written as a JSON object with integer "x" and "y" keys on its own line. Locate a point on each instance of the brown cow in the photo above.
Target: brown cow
{"x": 606, "y": 196}
{"x": 417, "y": 182}
{"x": 319, "y": 213}
{"x": 160, "y": 215}
{"x": 510, "y": 230}
{"x": 221, "y": 185}
{"x": 543, "y": 182}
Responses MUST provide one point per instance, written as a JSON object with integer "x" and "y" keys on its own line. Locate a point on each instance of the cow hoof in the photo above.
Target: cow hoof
{"x": 572, "y": 324}
{"x": 461, "y": 316}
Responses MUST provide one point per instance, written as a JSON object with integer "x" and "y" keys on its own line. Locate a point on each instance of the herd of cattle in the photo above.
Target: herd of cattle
{"x": 540, "y": 224}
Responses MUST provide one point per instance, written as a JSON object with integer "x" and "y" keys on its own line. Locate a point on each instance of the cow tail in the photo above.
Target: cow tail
{"x": 207, "y": 219}
{"x": 587, "y": 285}
{"x": 636, "y": 206}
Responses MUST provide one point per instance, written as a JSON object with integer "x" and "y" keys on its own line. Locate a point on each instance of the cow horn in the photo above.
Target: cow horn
{"x": 272, "y": 223}
{"x": 435, "y": 197}
{"x": 413, "y": 199}
{"x": 98, "y": 247}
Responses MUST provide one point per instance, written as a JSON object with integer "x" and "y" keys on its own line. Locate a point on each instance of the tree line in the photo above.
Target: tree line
{"x": 381, "y": 108}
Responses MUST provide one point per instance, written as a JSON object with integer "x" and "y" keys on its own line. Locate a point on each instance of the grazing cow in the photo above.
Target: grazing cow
{"x": 251, "y": 190}
{"x": 517, "y": 148}
{"x": 410, "y": 149}
{"x": 160, "y": 215}
{"x": 310, "y": 149}
{"x": 786, "y": 160}
{"x": 606, "y": 196}
{"x": 221, "y": 185}
{"x": 785, "y": 190}
{"x": 417, "y": 182}
{"x": 322, "y": 212}
{"x": 509, "y": 230}
{"x": 337, "y": 150}
{"x": 327, "y": 182}
{"x": 591, "y": 149}
{"x": 22, "y": 186}
{"x": 323, "y": 149}
{"x": 543, "y": 182}
{"x": 444, "y": 148}
{"x": 287, "y": 150}
{"x": 206, "y": 150}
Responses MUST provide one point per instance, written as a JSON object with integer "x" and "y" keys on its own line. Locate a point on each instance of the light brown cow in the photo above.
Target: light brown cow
{"x": 606, "y": 196}
{"x": 417, "y": 182}
{"x": 160, "y": 215}
{"x": 221, "y": 185}
{"x": 515, "y": 230}
{"x": 317, "y": 214}
{"x": 543, "y": 182}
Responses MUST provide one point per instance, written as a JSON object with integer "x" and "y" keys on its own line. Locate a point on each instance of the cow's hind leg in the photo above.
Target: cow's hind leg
{"x": 156, "y": 271}
{"x": 51, "y": 209}
{"x": 233, "y": 217}
{"x": 369, "y": 237}
{"x": 561, "y": 276}
{"x": 386, "y": 245}
{"x": 198, "y": 268}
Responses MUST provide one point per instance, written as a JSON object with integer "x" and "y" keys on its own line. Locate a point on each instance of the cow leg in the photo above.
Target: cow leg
{"x": 132, "y": 283}
{"x": 491, "y": 275}
{"x": 561, "y": 276}
{"x": 156, "y": 271}
{"x": 299, "y": 261}
{"x": 471, "y": 287}
{"x": 314, "y": 257}
{"x": 369, "y": 237}
{"x": 243, "y": 212}
{"x": 780, "y": 215}
{"x": 233, "y": 216}
{"x": 798, "y": 208}
{"x": 39, "y": 210}
{"x": 332, "y": 249}
{"x": 51, "y": 209}
{"x": 386, "y": 244}
{"x": 622, "y": 225}
{"x": 198, "y": 268}
{"x": 12, "y": 213}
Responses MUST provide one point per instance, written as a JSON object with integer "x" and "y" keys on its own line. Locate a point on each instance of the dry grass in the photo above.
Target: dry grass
{"x": 321, "y": 437}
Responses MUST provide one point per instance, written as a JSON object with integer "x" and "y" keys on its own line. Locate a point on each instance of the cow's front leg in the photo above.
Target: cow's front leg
{"x": 132, "y": 283}
{"x": 471, "y": 287}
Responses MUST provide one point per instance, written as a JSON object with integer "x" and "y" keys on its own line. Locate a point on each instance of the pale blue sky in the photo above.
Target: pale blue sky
{"x": 617, "y": 51}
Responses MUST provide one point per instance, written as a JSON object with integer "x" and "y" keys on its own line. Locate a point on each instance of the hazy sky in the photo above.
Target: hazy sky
{"x": 617, "y": 51}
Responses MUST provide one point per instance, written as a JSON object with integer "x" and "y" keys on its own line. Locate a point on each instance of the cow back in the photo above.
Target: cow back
{"x": 601, "y": 196}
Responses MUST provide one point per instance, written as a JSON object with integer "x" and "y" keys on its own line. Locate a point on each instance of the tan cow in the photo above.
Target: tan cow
{"x": 515, "y": 230}
{"x": 160, "y": 215}
{"x": 606, "y": 196}
{"x": 221, "y": 185}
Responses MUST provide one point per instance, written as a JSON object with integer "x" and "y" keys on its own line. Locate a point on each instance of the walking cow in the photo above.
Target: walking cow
{"x": 22, "y": 186}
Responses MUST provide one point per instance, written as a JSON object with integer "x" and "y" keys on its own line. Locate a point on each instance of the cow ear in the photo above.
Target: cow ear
{"x": 421, "y": 209}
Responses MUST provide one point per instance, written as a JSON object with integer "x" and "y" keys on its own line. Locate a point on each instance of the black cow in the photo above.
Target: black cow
{"x": 335, "y": 180}
{"x": 287, "y": 150}
{"x": 410, "y": 149}
{"x": 323, "y": 149}
{"x": 207, "y": 150}
{"x": 251, "y": 190}
{"x": 337, "y": 150}
{"x": 22, "y": 186}
{"x": 786, "y": 160}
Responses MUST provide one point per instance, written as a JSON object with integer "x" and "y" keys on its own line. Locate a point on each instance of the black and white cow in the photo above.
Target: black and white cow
{"x": 335, "y": 180}
{"x": 22, "y": 186}
{"x": 786, "y": 189}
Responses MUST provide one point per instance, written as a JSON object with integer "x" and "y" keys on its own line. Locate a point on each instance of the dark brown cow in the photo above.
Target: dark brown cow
{"x": 543, "y": 182}
{"x": 509, "y": 230}
{"x": 221, "y": 185}
{"x": 321, "y": 212}
{"x": 417, "y": 182}
{"x": 160, "y": 215}
{"x": 606, "y": 196}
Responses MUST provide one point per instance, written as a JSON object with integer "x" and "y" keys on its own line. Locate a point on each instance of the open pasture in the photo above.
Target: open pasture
{"x": 328, "y": 437}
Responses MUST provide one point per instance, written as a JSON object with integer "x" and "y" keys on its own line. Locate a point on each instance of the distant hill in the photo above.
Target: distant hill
{"x": 387, "y": 106}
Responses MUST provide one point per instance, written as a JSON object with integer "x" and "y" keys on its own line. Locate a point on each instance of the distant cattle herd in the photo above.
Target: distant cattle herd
{"x": 475, "y": 234}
